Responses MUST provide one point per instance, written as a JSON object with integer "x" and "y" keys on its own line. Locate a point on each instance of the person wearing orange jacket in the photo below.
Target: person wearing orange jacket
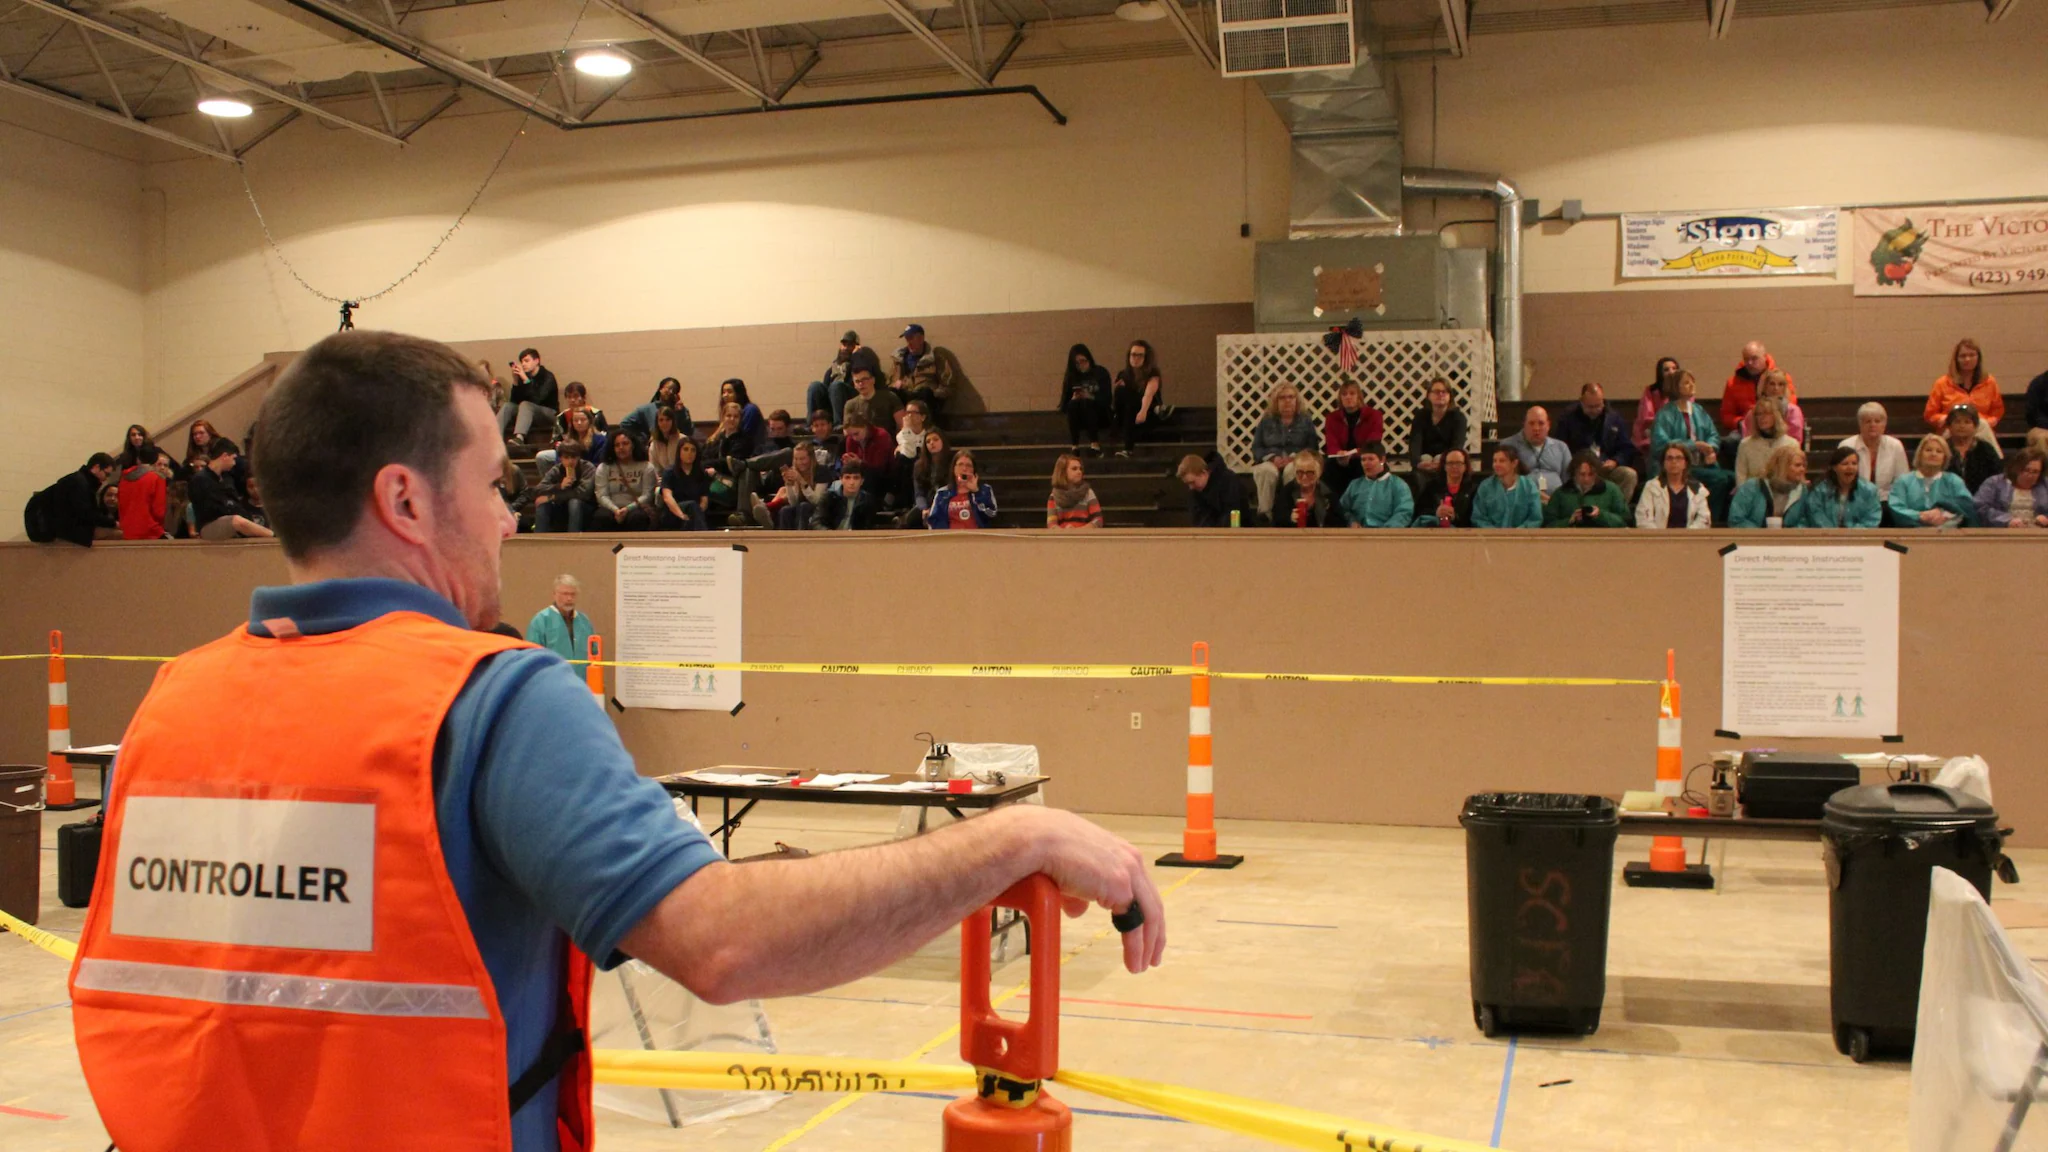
{"x": 1738, "y": 395}
{"x": 367, "y": 916}
{"x": 1966, "y": 383}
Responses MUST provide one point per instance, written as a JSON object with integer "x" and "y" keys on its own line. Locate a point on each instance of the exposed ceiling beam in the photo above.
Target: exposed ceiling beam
{"x": 1998, "y": 9}
{"x": 290, "y": 115}
{"x": 93, "y": 50}
{"x": 422, "y": 53}
{"x": 383, "y": 105}
{"x": 1002, "y": 60}
{"x": 62, "y": 100}
{"x": 115, "y": 32}
{"x": 1457, "y": 24}
{"x": 447, "y": 102}
{"x": 796, "y": 77}
{"x": 933, "y": 41}
{"x": 1190, "y": 32}
{"x": 1720, "y": 17}
{"x": 677, "y": 45}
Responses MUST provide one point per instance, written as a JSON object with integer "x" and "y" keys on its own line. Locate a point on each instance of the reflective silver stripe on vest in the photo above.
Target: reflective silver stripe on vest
{"x": 276, "y": 990}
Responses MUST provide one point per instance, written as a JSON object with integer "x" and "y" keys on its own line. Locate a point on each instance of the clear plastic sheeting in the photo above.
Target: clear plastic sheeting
{"x": 1967, "y": 774}
{"x": 1980, "y": 1056}
{"x": 636, "y": 1008}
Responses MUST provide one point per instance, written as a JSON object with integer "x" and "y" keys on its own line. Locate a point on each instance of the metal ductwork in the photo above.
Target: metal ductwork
{"x": 1345, "y": 128}
{"x": 1507, "y": 271}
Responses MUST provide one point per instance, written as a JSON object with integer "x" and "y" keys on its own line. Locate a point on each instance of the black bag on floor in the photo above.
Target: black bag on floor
{"x": 78, "y": 861}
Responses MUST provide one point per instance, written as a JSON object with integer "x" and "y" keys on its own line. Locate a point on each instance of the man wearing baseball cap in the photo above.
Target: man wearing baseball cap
{"x": 924, "y": 371}
{"x": 831, "y": 392}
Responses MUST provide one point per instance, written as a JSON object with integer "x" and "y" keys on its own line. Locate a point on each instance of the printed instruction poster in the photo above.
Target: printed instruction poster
{"x": 679, "y": 605}
{"x": 1810, "y": 642}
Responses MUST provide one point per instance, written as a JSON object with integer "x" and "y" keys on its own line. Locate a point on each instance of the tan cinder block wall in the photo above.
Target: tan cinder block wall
{"x": 1492, "y": 603}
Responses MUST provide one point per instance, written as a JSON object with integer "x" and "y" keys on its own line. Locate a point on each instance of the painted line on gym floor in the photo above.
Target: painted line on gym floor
{"x": 953, "y": 1033}
{"x": 1500, "y": 1110}
{"x": 33, "y": 1011}
{"x": 1157, "y": 1119}
{"x": 1277, "y": 924}
{"x": 1184, "y": 1008}
{"x": 29, "y": 1113}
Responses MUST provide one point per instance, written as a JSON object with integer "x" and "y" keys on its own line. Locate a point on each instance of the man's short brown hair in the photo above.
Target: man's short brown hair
{"x": 350, "y": 405}
{"x": 1192, "y": 466}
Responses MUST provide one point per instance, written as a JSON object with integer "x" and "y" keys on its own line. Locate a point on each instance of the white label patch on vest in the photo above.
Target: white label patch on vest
{"x": 277, "y": 873}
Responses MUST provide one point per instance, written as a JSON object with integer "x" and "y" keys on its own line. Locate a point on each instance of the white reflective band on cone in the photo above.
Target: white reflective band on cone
{"x": 1667, "y": 734}
{"x": 1667, "y": 787}
{"x": 1198, "y": 721}
{"x": 60, "y": 693}
{"x": 1201, "y": 779}
{"x": 276, "y": 990}
{"x": 60, "y": 739}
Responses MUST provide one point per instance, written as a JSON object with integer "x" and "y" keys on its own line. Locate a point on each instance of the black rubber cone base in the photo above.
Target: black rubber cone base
{"x": 1176, "y": 860}
{"x": 1639, "y": 874}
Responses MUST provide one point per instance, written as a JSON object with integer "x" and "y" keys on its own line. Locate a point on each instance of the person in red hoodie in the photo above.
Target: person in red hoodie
{"x": 1347, "y": 428}
{"x": 1738, "y": 396}
{"x": 144, "y": 487}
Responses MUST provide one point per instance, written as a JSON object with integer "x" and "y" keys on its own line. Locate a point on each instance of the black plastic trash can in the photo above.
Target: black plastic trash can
{"x": 1539, "y": 868}
{"x": 1881, "y": 845}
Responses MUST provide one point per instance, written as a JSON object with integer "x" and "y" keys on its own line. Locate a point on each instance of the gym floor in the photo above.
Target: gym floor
{"x": 1328, "y": 972}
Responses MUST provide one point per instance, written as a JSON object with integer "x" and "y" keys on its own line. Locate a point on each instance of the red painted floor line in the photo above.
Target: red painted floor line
{"x": 29, "y": 1113}
{"x": 1182, "y": 1008}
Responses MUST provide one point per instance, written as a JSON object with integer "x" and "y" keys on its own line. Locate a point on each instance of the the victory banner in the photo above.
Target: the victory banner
{"x": 1750, "y": 242}
{"x": 1952, "y": 251}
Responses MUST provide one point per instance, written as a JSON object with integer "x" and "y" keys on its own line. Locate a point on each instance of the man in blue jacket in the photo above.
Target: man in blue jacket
{"x": 560, "y": 628}
{"x": 1592, "y": 426}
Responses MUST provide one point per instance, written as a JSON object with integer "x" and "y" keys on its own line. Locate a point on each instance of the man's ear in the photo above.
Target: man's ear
{"x": 401, "y": 500}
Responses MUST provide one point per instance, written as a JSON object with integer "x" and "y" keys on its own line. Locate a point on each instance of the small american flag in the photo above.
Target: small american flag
{"x": 1344, "y": 342}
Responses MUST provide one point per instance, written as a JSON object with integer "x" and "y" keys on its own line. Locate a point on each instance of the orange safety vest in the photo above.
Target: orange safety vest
{"x": 277, "y": 959}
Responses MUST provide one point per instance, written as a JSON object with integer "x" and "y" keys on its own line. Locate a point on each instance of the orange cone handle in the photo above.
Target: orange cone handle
{"x": 1010, "y": 1111}
{"x": 62, "y": 789}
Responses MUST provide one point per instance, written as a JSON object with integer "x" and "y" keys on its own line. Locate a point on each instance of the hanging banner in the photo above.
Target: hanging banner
{"x": 1952, "y": 251}
{"x": 1748, "y": 242}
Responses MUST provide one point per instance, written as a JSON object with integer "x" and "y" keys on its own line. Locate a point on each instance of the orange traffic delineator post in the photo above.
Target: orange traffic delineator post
{"x": 593, "y": 672}
{"x": 1010, "y": 1110}
{"x": 1198, "y": 841}
{"x": 1667, "y": 867}
{"x": 61, "y": 790}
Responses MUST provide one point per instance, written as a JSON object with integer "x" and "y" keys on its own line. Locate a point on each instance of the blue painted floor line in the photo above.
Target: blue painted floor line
{"x": 33, "y": 1011}
{"x": 1500, "y": 1110}
{"x": 1070, "y": 1108}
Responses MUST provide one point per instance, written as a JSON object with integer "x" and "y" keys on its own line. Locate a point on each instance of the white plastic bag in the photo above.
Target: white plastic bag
{"x": 1969, "y": 774}
{"x": 982, "y": 762}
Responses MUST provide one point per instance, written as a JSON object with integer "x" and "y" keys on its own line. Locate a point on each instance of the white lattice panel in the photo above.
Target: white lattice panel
{"x": 1395, "y": 369}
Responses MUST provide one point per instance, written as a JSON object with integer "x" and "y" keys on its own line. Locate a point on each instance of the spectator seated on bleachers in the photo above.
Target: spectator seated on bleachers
{"x": 1084, "y": 397}
{"x": 145, "y": 495}
{"x": 964, "y": 503}
{"x": 1437, "y": 427}
{"x": 1305, "y": 501}
{"x": 1971, "y": 456}
{"x": 1351, "y": 423}
{"x": 69, "y": 508}
{"x": 217, "y": 508}
{"x": 834, "y": 387}
{"x": 915, "y": 422}
{"x": 1776, "y": 387}
{"x": 725, "y": 453}
{"x": 793, "y": 506}
{"x": 1839, "y": 498}
{"x": 535, "y": 397}
{"x": 1138, "y": 394}
{"x": 1072, "y": 503}
{"x": 1446, "y": 500}
{"x": 753, "y": 426}
{"x": 1507, "y": 499}
{"x": 1767, "y": 500}
{"x": 930, "y": 472}
{"x": 667, "y": 394}
{"x": 883, "y": 405}
{"x": 1672, "y": 498}
{"x": 625, "y": 488}
{"x": 1966, "y": 383}
{"x": 1759, "y": 445}
{"x": 924, "y": 371}
{"x": 1930, "y": 496}
{"x": 575, "y": 396}
{"x": 1285, "y": 431}
{"x": 578, "y": 426}
{"x": 517, "y": 492}
{"x": 1214, "y": 492}
{"x": 567, "y": 492}
{"x": 1739, "y": 394}
{"x": 1661, "y": 390}
{"x": 685, "y": 491}
{"x": 671, "y": 427}
{"x": 1378, "y": 499}
{"x": 850, "y": 506}
{"x": 560, "y": 628}
{"x": 869, "y": 445}
{"x": 1883, "y": 458}
{"x": 760, "y": 475}
{"x": 1544, "y": 458}
{"x": 827, "y": 443}
{"x": 2037, "y": 403}
{"x": 2017, "y": 498}
{"x": 1586, "y": 500}
{"x": 1592, "y": 426}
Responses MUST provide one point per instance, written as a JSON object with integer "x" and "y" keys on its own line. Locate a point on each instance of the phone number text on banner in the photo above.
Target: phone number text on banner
{"x": 1746, "y": 242}
{"x": 1952, "y": 251}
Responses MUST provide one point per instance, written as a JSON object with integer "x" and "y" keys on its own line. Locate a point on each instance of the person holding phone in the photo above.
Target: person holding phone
{"x": 534, "y": 397}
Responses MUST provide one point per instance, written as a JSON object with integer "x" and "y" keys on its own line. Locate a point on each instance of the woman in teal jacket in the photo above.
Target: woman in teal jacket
{"x": 1930, "y": 496}
{"x": 1507, "y": 499}
{"x": 1683, "y": 420}
{"x": 1840, "y": 498}
{"x": 1378, "y": 499}
{"x": 1777, "y": 493}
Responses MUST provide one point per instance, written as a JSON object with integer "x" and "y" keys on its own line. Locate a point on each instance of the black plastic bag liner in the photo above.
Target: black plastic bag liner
{"x": 1542, "y": 807}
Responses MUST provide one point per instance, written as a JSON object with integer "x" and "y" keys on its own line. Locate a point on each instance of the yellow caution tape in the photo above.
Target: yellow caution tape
{"x": 55, "y": 945}
{"x": 1489, "y": 681}
{"x": 731, "y": 1072}
{"x": 1294, "y": 1127}
{"x": 69, "y": 656}
{"x": 972, "y": 671}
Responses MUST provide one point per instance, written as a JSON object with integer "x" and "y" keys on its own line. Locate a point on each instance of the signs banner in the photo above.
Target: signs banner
{"x": 1952, "y": 251}
{"x": 1746, "y": 242}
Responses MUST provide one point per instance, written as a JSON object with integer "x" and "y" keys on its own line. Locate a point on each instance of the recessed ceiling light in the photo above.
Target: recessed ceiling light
{"x": 1140, "y": 11}
{"x": 603, "y": 62}
{"x": 224, "y": 107}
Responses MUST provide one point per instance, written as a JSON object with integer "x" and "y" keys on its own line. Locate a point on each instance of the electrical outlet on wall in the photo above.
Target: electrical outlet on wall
{"x": 1137, "y": 721}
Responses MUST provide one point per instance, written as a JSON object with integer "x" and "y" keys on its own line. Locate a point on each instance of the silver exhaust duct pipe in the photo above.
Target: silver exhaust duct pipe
{"x": 1507, "y": 282}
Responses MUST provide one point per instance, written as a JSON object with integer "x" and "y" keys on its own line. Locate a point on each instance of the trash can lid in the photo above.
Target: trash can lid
{"x": 1907, "y": 804}
{"x": 1540, "y": 807}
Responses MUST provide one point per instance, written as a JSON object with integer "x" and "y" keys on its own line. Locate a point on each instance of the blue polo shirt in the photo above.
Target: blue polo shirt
{"x": 545, "y": 825}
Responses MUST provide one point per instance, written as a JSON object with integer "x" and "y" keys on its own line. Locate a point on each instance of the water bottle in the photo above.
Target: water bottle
{"x": 1445, "y": 513}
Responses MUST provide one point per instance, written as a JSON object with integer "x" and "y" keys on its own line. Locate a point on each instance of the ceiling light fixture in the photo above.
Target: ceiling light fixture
{"x": 603, "y": 62}
{"x": 1140, "y": 11}
{"x": 227, "y": 108}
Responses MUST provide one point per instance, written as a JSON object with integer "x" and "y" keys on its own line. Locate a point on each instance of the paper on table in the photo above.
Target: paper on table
{"x": 841, "y": 779}
{"x": 97, "y": 749}
{"x": 734, "y": 778}
{"x": 906, "y": 786}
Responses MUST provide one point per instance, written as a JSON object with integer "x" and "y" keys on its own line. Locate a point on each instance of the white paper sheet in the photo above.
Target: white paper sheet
{"x": 841, "y": 779}
{"x": 1810, "y": 642}
{"x": 681, "y": 605}
{"x": 97, "y": 749}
